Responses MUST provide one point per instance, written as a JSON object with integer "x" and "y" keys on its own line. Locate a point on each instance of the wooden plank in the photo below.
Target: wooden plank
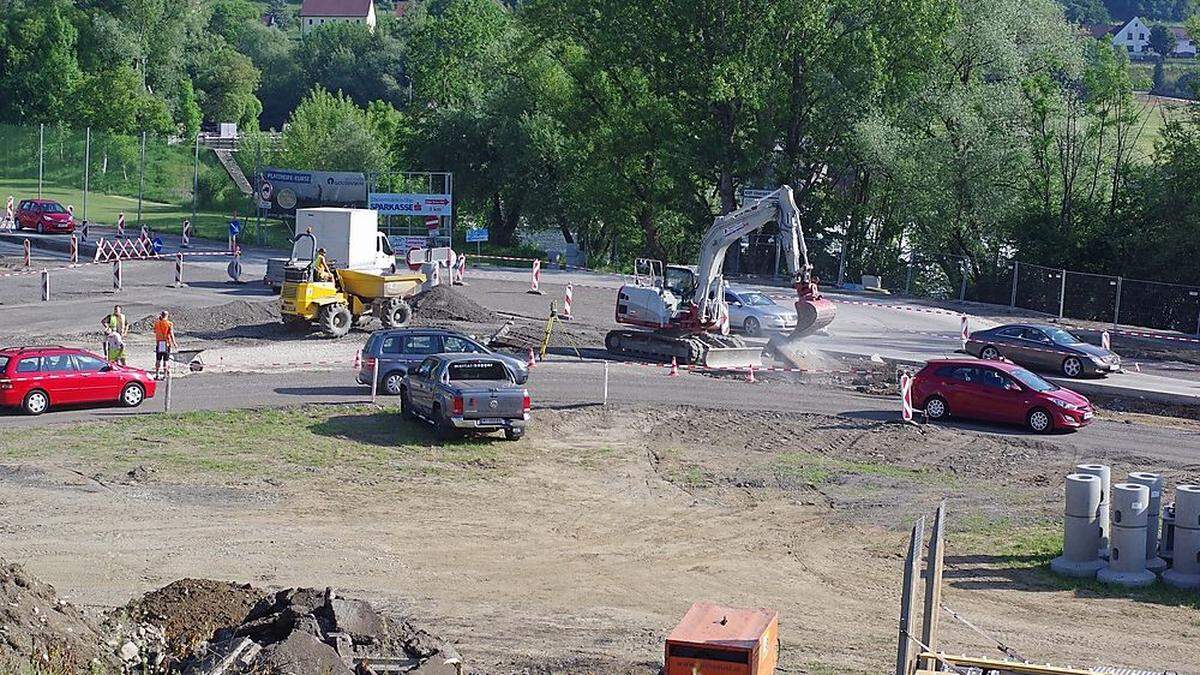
{"x": 908, "y": 597}
{"x": 933, "y": 583}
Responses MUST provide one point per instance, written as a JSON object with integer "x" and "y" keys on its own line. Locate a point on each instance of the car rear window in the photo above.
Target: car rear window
{"x": 478, "y": 370}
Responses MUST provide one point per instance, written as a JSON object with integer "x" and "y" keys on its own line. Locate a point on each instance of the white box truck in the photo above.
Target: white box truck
{"x": 350, "y": 237}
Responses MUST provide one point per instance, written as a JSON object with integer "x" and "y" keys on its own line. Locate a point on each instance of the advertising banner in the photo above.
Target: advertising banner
{"x": 284, "y": 190}
{"x": 410, "y": 204}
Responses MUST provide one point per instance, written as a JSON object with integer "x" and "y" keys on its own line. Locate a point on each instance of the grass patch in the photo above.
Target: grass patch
{"x": 1156, "y": 115}
{"x": 265, "y": 443}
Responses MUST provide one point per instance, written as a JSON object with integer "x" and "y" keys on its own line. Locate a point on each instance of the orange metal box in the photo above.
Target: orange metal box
{"x": 716, "y": 640}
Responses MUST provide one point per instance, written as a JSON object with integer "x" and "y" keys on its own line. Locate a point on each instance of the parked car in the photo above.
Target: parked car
{"x": 1043, "y": 347}
{"x": 465, "y": 392}
{"x": 38, "y": 378}
{"x": 752, "y": 312}
{"x": 44, "y": 215}
{"x": 400, "y": 349}
{"x": 997, "y": 391}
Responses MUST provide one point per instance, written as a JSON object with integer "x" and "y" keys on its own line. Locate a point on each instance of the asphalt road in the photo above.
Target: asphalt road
{"x": 573, "y": 384}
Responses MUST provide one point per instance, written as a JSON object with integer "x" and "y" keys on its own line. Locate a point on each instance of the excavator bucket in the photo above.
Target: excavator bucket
{"x": 732, "y": 357}
{"x": 812, "y": 316}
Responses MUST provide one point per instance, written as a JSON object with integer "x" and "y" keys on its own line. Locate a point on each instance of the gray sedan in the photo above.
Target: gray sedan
{"x": 1043, "y": 347}
{"x": 752, "y": 312}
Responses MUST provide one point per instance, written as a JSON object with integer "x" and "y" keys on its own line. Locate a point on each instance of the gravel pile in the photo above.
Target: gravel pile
{"x": 37, "y": 627}
{"x": 202, "y": 321}
{"x": 443, "y": 303}
{"x": 189, "y": 610}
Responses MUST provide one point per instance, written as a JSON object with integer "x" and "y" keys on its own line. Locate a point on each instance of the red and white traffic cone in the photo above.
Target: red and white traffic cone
{"x": 535, "y": 278}
{"x": 460, "y": 271}
{"x": 186, "y": 235}
{"x": 750, "y": 375}
{"x": 567, "y": 296}
{"x": 674, "y": 372}
{"x": 27, "y": 254}
{"x": 1105, "y": 340}
{"x": 358, "y": 360}
{"x": 121, "y": 224}
{"x": 531, "y": 361}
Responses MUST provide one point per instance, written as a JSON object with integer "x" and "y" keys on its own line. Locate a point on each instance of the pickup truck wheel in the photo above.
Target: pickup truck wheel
{"x": 445, "y": 428}
{"x": 335, "y": 320}
{"x": 406, "y": 411}
{"x": 395, "y": 313}
{"x": 514, "y": 434}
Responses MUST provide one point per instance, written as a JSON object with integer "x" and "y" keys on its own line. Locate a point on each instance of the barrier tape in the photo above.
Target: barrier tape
{"x": 156, "y": 256}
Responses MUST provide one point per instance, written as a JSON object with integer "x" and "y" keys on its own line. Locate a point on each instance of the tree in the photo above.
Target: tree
{"x": 275, "y": 52}
{"x": 328, "y": 132}
{"x": 1086, "y": 11}
{"x": 39, "y": 70}
{"x": 225, "y": 81}
{"x": 279, "y": 14}
{"x": 347, "y": 57}
{"x": 189, "y": 116}
{"x": 1162, "y": 41}
{"x": 230, "y": 18}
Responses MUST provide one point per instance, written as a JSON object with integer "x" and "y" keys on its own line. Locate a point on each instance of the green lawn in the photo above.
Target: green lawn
{"x": 1157, "y": 113}
{"x": 160, "y": 217}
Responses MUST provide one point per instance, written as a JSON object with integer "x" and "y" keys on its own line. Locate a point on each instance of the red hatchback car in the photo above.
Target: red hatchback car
{"x": 997, "y": 391}
{"x": 44, "y": 215}
{"x": 36, "y": 378}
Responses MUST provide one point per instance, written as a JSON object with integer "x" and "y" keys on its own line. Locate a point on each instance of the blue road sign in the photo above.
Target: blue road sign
{"x": 477, "y": 234}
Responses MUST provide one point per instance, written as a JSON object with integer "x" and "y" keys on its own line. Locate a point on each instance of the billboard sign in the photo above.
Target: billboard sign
{"x": 410, "y": 204}
{"x": 475, "y": 234}
{"x": 284, "y": 190}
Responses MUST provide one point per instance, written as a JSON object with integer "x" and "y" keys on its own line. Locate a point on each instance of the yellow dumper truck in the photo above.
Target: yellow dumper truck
{"x": 344, "y": 297}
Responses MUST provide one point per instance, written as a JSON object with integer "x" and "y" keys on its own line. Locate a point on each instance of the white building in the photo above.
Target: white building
{"x": 314, "y": 13}
{"x": 1134, "y": 37}
{"x": 1184, "y": 45}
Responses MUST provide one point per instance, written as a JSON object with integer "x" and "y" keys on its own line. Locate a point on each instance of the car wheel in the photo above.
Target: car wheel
{"x": 406, "y": 411}
{"x": 514, "y": 433}
{"x": 751, "y": 326}
{"x": 989, "y": 353}
{"x": 132, "y": 395}
{"x": 36, "y": 402}
{"x": 1040, "y": 421}
{"x": 391, "y": 383}
{"x": 1072, "y": 367}
{"x": 445, "y": 429}
{"x": 936, "y": 408}
{"x": 335, "y": 320}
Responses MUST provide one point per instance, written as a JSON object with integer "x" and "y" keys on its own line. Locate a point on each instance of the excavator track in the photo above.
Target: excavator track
{"x": 705, "y": 349}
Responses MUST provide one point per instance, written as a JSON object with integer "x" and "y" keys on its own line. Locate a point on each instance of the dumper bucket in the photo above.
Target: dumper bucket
{"x": 732, "y": 357}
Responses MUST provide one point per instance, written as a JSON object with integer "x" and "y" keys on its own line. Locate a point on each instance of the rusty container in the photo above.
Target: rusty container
{"x": 716, "y": 640}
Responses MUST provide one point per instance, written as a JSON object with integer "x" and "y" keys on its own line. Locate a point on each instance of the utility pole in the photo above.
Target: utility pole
{"x": 142, "y": 179}
{"x": 87, "y": 168}
{"x": 195, "y": 176}
{"x": 41, "y": 155}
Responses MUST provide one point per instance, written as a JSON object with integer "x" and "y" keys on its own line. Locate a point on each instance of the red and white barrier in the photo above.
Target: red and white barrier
{"x": 122, "y": 249}
{"x": 531, "y": 362}
{"x": 116, "y": 275}
{"x": 26, "y": 254}
{"x": 74, "y": 250}
{"x": 567, "y": 296}
{"x": 178, "y": 270}
{"x": 1105, "y": 340}
{"x": 460, "y": 271}
{"x": 358, "y": 360}
{"x": 535, "y": 278}
{"x": 45, "y": 285}
{"x": 144, "y": 233}
{"x": 9, "y": 212}
{"x": 906, "y": 404}
{"x": 964, "y": 333}
{"x": 121, "y": 224}
{"x": 674, "y": 372}
{"x": 750, "y": 374}
{"x": 185, "y": 239}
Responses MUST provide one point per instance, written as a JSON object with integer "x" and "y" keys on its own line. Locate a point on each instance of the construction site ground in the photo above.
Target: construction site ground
{"x": 579, "y": 547}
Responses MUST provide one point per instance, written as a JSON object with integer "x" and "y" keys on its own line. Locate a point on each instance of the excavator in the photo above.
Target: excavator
{"x": 681, "y": 311}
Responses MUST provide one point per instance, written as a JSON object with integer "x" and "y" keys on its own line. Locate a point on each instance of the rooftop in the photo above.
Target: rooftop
{"x": 355, "y": 8}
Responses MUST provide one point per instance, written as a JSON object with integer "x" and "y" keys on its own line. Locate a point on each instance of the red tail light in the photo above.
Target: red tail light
{"x": 457, "y": 405}
{"x": 525, "y": 403}
{"x": 369, "y": 362}
{"x": 6, "y": 384}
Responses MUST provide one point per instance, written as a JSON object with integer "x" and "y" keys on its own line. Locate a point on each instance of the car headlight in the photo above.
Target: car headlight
{"x": 1064, "y": 404}
{"x": 1098, "y": 360}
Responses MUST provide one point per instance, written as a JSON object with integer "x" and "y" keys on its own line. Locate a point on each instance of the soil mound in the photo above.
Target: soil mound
{"x": 202, "y": 321}
{"x": 443, "y": 303}
{"x": 190, "y": 610}
{"x": 37, "y": 627}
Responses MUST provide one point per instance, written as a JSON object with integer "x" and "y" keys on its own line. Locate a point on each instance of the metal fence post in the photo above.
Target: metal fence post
{"x": 41, "y": 155}
{"x": 962, "y": 287}
{"x": 908, "y": 277}
{"x": 142, "y": 179}
{"x": 605, "y": 402}
{"x": 1016, "y": 273}
{"x": 167, "y": 389}
{"x": 1062, "y": 294}
{"x": 195, "y": 176}
{"x": 374, "y": 379}
{"x": 1117, "y": 309}
{"x": 87, "y": 168}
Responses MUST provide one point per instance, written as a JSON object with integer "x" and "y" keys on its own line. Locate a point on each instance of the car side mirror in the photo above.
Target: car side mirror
{"x": 106, "y": 369}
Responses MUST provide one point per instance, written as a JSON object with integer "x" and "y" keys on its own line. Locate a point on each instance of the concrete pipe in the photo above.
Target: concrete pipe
{"x": 1185, "y": 572}
{"x": 1127, "y": 546}
{"x": 1105, "y": 475}
{"x": 1081, "y": 529}
{"x": 1156, "y": 483}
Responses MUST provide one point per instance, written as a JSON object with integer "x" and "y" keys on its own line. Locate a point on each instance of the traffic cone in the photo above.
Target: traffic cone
{"x": 750, "y": 376}
{"x": 358, "y": 360}
{"x": 532, "y": 361}
{"x": 674, "y": 368}
{"x": 1137, "y": 366}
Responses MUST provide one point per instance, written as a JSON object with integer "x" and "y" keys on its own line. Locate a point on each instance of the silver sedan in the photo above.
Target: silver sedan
{"x": 753, "y": 313}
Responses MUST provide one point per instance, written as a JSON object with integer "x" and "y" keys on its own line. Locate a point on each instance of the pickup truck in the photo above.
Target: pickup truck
{"x": 457, "y": 393}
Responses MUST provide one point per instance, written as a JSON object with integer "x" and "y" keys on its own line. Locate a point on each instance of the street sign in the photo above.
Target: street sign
{"x": 157, "y": 245}
{"x": 409, "y": 204}
{"x": 432, "y": 223}
{"x": 479, "y": 234}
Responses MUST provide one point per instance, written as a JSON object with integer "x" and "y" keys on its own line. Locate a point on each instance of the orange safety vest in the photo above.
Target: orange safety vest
{"x": 162, "y": 329}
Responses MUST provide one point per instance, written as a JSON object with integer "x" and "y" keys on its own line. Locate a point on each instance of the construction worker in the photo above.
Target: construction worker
{"x": 116, "y": 322}
{"x": 321, "y": 267}
{"x": 164, "y": 344}
{"x": 114, "y": 347}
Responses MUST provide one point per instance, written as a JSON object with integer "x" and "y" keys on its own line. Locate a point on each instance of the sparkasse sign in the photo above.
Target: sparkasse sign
{"x": 409, "y": 204}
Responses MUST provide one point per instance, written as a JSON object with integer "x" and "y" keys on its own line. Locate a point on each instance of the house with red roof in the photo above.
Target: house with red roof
{"x": 316, "y": 13}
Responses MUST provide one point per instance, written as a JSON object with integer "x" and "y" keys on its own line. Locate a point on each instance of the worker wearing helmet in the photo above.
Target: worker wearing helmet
{"x": 321, "y": 267}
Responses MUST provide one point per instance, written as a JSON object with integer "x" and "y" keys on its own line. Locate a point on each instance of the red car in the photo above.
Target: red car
{"x": 36, "y": 378}
{"x": 997, "y": 391}
{"x": 44, "y": 215}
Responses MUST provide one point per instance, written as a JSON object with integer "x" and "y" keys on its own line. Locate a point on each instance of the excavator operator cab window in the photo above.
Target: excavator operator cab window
{"x": 680, "y": 281}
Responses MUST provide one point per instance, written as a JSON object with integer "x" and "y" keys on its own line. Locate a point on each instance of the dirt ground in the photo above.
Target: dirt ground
{"x": 577, "y": 549}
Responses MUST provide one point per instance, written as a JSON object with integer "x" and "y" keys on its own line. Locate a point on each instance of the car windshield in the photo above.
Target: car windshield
{"x": 1062, "y": 337}
{"x": 756, "y": 299}
{"x": 53, "y": 208}
{"x": 1032, "y": 381}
